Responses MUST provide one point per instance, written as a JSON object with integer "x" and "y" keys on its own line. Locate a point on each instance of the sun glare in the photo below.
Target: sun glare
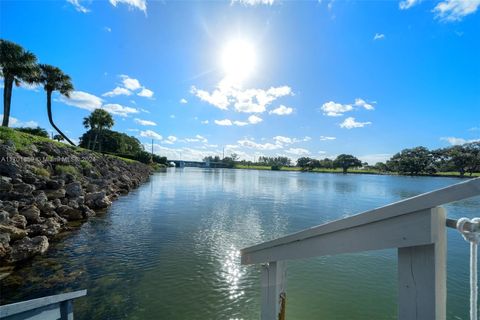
{"x": 238, "y": 59}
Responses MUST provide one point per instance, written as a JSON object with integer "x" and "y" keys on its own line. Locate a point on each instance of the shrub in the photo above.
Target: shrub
{"x": 34, "y": 131}
{"x": 85, "y": 164}
{"x": 41, "y": 172}
{"x": 276, "y": 167}
{"x": 61, "y": 169}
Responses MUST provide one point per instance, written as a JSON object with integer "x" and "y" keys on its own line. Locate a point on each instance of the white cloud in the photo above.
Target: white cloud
{"x": 118, "y": 109}
{"x": 283, "y": 140}
{"x": 130, "y": 83}
{"x": 240, "y": 123}
{"x": 150, "y": 134}
{"x": 145, "y": 93}
{"x": 378, "y": 36}
{"x": 333, "y": 109}
{"x": 145, "y": 122}
{"x": 254, "y": 2}
{"x": 216, "y": 98}
{"x": 14, "y": 122}
{"x": 117, "y": 92}
{"x": 183, "y": 101}
{"x": 407, "y": 4}
{"x": 107, "y": 29}
{"x": 205, "y": 122}
{"x": 201, "y": 138}
{"x": 350, "y": 123}
{"x": 257, "y": 100}
{"x": 224, "y": 122}
{"x": 82, "y": 100}
{"x": 362, "y": 103}
{"x": 298, "y": 151}
{"x": 170, "y": 140}
{"x": 327, "y": 138}
{"x": 457, "y": 141}
{"x": 253, "y": 119}
{"x": 139, "y": 4}
{"x": 455, "y": 10}
{"x": 87, "y": 101}
{"x": 259, "y": 146}
{"x": 249, "y": 101}
{"x": 282, "y": 111}
{"x": 78, "y": 6}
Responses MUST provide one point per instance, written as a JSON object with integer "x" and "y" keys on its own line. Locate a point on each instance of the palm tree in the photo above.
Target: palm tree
{"x": 98, "y": 120}
{"x": 54, "y": 79}
{"x": 17, "y": 65}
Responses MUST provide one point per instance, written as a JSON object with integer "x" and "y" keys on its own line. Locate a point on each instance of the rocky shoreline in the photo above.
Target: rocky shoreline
{"x": 45, "y": 185}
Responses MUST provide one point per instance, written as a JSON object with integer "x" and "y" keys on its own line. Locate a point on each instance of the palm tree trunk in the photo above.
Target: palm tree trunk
{"x": 50, "y": 118}
{"x": 95, "y": 140}
{"x": 7, "y": 99}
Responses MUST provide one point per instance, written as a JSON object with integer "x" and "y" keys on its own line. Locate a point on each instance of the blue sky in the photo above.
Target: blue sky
{"x": 259, "y": 77}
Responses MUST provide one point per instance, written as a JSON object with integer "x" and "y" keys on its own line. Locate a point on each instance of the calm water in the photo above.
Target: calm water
{"x": 169, "y": 250}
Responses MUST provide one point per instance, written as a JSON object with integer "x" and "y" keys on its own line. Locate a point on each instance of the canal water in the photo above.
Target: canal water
{"x": 170, "y": 249}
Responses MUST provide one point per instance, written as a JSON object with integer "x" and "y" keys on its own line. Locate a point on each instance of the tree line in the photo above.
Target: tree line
{"x": 462, "y": 159}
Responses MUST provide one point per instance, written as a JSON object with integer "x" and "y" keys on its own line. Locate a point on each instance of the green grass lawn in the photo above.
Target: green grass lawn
{"x": 358, "y": 171}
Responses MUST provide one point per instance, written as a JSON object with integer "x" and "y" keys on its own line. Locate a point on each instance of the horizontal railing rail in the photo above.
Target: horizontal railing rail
{"x": 55, "y": 307}
{"x": 416, "y": 227}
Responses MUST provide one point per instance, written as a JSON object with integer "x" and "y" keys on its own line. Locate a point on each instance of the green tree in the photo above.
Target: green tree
{"x": 412, "y": 161}
{"x": 58, "y": 137}
{"x": 98, "y": 121}
{"x": 346, "y": 161}
{"x": 113, "y": 142}
{"x": 457, "y": 158}
{"x": 35, "y": 131}
{"x": 17, "y": 66}
{"x": 53, "y": 79}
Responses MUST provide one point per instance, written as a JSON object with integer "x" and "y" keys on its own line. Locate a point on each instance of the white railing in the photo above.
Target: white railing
{"x": 57, "y": 307}
{"x": 415, "y": 226}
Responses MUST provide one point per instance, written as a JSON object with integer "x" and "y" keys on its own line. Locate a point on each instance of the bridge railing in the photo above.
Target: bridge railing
{"x": 55, "y": 307}
{"x": 416, "y": 227}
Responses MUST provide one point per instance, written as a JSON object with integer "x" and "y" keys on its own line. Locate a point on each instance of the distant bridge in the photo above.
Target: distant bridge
{"x": 198, "y": 164}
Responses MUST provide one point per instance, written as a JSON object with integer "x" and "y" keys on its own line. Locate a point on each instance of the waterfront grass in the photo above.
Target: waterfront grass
{"x": 354, "y": 171}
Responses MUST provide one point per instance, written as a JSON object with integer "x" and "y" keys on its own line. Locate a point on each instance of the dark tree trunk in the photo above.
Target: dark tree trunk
{"x": 345, "y": 170}
{"x": 50, "y": 118}
{"x": 7, "y": 99}
{"x": 95, "y": 140}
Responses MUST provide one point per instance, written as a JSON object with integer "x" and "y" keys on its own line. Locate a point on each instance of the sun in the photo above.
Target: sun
{"x": 238, "y": 59}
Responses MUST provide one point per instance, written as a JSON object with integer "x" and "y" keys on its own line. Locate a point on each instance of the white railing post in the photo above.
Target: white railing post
{"x": 273, "y": 290}
{"x": 422, "y": 275}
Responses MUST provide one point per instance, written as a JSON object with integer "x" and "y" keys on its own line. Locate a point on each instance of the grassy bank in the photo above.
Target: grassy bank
{"x": 355, "y": 171}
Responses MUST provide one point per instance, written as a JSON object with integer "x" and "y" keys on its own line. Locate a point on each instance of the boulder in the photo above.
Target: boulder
{"x": 4, "y": 245}
{"x": 55, "y": 184}
{"x": 31, "y": 213}
{"x": 40, "y": 198}
{"x": 28, "y": 247}
{"x": 55, "y": 194}
{"x": 73, "y": 190}
{"x": 97, "y": 200}
{"x": 23, "y": 188}
{"x": 5, "y": 184}
{"x": 69, "y": 213}
{"x": 14, "y": 232}
{"x": 4, "y": 217}
{"x": 50, "y": 228}
{"x": 19, "y": 221}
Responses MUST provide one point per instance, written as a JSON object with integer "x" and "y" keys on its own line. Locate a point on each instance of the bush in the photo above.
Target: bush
{"x": 41, "y": 172}
{"x": 61, "y": 169}
{"x": 34, "y": 131}
{"x": 276, "y": 167}
{"x": 85, "y": 164}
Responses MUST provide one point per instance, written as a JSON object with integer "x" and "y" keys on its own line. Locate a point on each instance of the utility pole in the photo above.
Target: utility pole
{"x": 151, "y": 156}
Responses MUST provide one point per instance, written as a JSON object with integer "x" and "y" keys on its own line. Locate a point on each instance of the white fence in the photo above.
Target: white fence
{"x": 415, "y": 226}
